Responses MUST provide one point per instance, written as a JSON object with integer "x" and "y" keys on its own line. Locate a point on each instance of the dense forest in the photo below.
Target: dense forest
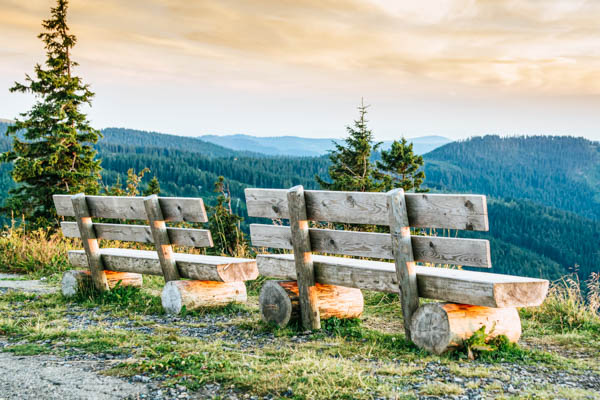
{"x": 542, "y": 196}
{"x": 557, "y": 171}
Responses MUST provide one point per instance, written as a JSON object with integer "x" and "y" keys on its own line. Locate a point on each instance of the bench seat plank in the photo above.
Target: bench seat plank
{"x": 192, "y": 266}
{"x": 458, "y": 286}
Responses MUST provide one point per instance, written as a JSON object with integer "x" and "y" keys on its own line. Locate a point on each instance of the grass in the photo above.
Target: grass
{"x": 359, "y": 358}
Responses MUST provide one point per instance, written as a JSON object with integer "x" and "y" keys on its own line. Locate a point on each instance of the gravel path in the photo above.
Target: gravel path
{"x": 50, "y": 377}
{"x": 15, "y": 282}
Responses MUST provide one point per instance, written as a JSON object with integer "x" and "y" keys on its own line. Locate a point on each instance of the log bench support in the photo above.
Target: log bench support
{"x": 440, "y": 327}
{"x": 280, "y": 303}
{"x": 76, "y": 281}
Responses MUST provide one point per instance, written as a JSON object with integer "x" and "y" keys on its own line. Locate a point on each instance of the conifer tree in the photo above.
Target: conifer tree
{"x": 52, "y": 143}
{"x": 351, "y": 167}
{"x": 400, "y": 167}
{"x": 153, "y": 187}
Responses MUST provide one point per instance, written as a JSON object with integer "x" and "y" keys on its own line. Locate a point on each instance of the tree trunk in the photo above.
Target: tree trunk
{"x": 75, "y": 281}
{"x": 439, "y": 327}
{"x": 195, "y": 294}
{"x": 279, "y": 302}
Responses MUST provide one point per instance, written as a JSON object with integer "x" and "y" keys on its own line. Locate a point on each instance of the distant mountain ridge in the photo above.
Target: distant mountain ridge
{"x": 306, "y": 147}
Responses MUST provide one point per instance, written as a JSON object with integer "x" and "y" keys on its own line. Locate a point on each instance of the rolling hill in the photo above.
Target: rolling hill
{"x": 299, "y": 146}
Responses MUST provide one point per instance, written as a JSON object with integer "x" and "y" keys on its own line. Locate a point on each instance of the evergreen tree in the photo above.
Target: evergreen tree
{"x": 400, "y": 167}
{"x": 224, "y": 224}
{"x": 52, "y": 144}
{"x": 351, "y": 167}
{"x": 153, "y": 187}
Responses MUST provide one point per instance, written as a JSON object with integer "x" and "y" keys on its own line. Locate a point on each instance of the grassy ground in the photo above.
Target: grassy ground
{"x": 558, "y": 357}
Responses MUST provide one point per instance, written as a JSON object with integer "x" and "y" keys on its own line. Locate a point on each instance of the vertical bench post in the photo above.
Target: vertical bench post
{"x": 403, "y": 256}
{"x": 90, "y": 243}
{"x": 161, "y": 238}
{"x": 309, "y": 308}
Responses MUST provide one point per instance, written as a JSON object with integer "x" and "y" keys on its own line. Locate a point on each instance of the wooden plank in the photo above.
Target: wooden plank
{"x": 403, "y": 256}
{"x": 142, "y": 234}
{"x": 430, "y": 249}
{"x": 452, "y": 285}
{"x": 175, "y": 209}
{"x": 161, "y": 238}
{"x": 90, "y": 243}
{"x": 191, "y": 266}
{"x": 425, "y": 210}
{"x": 307, "y": 292}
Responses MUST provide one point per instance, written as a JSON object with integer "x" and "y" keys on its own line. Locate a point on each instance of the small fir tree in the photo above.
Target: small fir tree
{"x": 224, "y": 224}
{"x": 132, "y": 184}
{"x": 52, "y": 143}
{"x": 400, "y": 167}
{"x": 153, "y": 187}
{"x": 351, "y": 167}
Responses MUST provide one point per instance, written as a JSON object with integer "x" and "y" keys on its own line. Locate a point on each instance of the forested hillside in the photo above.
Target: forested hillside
{"x": 561, "y": 172}
{"x": 525, "y": 187}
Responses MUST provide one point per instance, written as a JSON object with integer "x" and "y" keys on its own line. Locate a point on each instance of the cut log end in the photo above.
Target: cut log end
{"x": 279, "y": 302}
{"x": 74, "y": 281}
{"x": 439, "y": 327}
{"x": 195, "y": 294}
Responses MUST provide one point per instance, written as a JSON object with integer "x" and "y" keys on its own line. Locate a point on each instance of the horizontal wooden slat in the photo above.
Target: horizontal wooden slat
{"x": 431, "y": 249}
{"x": 458, "y": 286}
{"x": 173, "y": 208}
{"x": 450, "y": 211}
{"x": 142, "y": 234}
{"x": 192, "y": 266}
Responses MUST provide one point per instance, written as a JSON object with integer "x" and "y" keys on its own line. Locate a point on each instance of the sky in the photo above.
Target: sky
{"x": 455, "y": 68}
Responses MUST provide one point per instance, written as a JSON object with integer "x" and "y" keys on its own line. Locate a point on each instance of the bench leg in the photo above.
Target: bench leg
{"x": 279, "y": 302}
{"x": 439, "y": 327}
{"x": 74, "y": 281}
{"x": 195, "y": 294}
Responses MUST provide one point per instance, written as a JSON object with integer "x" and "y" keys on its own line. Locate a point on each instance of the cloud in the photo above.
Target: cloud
{"x": 542, "y": 46}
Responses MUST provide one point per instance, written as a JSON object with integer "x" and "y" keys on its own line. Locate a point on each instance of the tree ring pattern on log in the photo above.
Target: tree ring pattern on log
{"x": 431, "y": 328}
{"x": 275, "y": 304}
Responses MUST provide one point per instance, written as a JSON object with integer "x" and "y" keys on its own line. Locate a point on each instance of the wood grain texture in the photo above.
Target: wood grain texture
{"x": 458, "y": 286}
{"x": 430, "y": 249}
{"x": 440, "y": 327}
{"x": 403, "y": 256}
{"x": 450, "y": 211}
{"x": 90, "y": 243}
{"x": 175, "y": 209}
{"x": 195, "y": 294}
{"x": 161, "y": 239}
{"x": 142, "y": 234}
{"x": 191, "y": 266}
{"x": 74, "y": 281}
{"x": 279, "y": 302}
{"x": 309, "y": 307}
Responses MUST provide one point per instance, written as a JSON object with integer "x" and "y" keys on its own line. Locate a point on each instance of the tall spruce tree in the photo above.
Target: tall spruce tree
{"x": 400, "y": 167}
{"x": 52, "y": 144}
{"x": 351, "y": 167}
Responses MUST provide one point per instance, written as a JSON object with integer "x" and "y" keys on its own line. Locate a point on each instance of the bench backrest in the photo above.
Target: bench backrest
{"x": 157, "y": 211}
{"x": 174, "y": 209}
{"x": 447, "y": 211}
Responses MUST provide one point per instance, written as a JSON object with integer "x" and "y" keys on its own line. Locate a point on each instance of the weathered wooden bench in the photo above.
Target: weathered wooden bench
{"x": 475, "y": 299}
{"x": 212, "y": 280}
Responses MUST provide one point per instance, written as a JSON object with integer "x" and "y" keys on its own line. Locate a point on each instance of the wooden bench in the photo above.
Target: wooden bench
{"x": 212, "y": 280}
{"x": 474, "y": 299}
